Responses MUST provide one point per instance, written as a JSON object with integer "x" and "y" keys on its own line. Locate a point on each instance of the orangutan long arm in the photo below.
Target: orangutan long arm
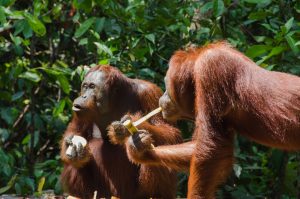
{"x": 172, "y": 156}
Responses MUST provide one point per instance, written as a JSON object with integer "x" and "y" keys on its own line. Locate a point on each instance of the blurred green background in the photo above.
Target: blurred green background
{"x": 45, "y": 43}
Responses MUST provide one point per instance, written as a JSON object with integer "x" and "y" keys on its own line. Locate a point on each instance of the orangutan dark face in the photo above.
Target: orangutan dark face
{"x": 172, "y": 102}
{"x": 93, "y": 99}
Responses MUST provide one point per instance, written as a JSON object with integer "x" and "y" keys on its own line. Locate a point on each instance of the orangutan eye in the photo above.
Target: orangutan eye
{"x": 92, "y": 86}
{"x": 84, "y": 86}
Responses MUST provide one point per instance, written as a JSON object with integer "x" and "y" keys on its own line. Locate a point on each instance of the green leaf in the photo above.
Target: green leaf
{"x": 218, "y": 7}
{"x": 9, "y": 115}
{"x": 32, "y": 76}
{"x": 64, "y": 84}
{"x": 258, "y": 1}
{"x": 17, "y": 95}
{"x": 58, "y": 186}
{"x": 36, "y": 25}
{"x": 151, "y": 50}
{"x": 17, "y": 40}
{"x": 257, "y": 50}
{"x": 297, "y": 7}
{"x": 288, "y": 25}
{"x": 37, "y": 7}
{"x": 27, "y": 31}
{"x": 9, "y": 185}
{"x": 59, "y": 108}
{"x": 46, "y": 164}
{"x": 297, "y": 43}
{"x": 29, "y": 182}
{"x": 269, "y": 27}
{"x": 38, "y": 173}
{"x": 64, "y": 65}
{"x": 51, "y": 71}
{"x": 151, "y": 37}
{"x": 7, "y": 3}
{"x": 147, "y": 72}
{"x": 46, "y": 19}
{"x": 15, "y": 14}
{"x": 38, "y": 122}
{"x": 4, "y": 135}
{"x": 86, "y": 5}
{"x": 19, "y": 26}
{"x": 135, "y": 42}
{"x": 83, "y": 41}
{"x": 139, "y": 53}
{"x": 6, "y": 169}
{"x": 270, "y": 67}
{"x": 26, "y": 139}
{"x": 259, "y": 39}
{"x": 2, "y": 16}
{"x": 36, "y": 138}
{"x": 99, "y": 24}
{"x": 18, "y": 188}
{"x": 103, "y": 62}
{"x": 103, "y": 48}
{"x": 259, "y": 15}
{"x": 18, "y": 50}
{"x": 132, "y": 58}
{"x": 95, "y": 34}
{"x": 56, "y": 11}
{"x": 292, "y": 44}
{"x": 277, "y": 50}
{"x": 206, "y": 7}
{"x": 84, "y": 27}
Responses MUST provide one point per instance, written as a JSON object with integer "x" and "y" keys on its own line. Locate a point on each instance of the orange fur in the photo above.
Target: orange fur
{"x": 107, "y": 168}
{"x": 225, "y": 92}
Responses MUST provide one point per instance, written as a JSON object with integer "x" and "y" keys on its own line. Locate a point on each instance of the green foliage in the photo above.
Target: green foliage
{"x": 44, "y": 43}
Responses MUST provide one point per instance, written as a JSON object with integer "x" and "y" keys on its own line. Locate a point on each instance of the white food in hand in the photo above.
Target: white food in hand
{"x": 76, "y": 142}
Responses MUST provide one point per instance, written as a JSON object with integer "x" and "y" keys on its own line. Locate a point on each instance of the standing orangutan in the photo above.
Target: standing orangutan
{"x": 106, "y": 95}
{"x": 227, "y": 93}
